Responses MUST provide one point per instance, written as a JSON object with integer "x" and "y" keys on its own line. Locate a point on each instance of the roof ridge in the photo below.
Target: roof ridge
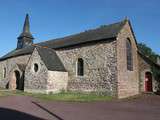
{"x": 94, "y": 29}
{"x": 107, "y": 33}
{"x": 44, "y": 47}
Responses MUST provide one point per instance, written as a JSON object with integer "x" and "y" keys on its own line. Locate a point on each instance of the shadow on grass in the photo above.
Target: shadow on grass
{"x": 8, "y": 114}
{"x": 49, "y": 112}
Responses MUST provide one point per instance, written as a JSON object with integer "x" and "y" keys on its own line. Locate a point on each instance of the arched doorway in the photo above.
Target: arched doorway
{"x": 148, "y": 82}
{"x": 18, "y": 81}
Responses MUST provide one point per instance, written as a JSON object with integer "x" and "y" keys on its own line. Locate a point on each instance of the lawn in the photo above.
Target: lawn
{"x": 63, "y": 96}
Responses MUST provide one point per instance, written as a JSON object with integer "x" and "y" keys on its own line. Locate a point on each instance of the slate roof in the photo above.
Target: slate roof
{"x": 50, "y": 59}
{"x": 106, "y": 32}
{"x": 18, "y": 52}
{"x": 103, "y": 33}
{"x": 148, "y": 59}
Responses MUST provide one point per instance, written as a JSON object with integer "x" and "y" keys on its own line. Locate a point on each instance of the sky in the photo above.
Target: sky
{"x": 51, "y": 19}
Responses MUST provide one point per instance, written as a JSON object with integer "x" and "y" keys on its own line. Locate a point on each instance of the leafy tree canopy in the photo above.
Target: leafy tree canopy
{"x": 152, "y": 55}
{"x": 148, "y": 52}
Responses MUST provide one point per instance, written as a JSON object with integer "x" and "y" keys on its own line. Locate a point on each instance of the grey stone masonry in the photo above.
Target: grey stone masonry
{"x": 146, "y": 66}
{"x": 35, "y": 80}
{"x": 128, "y": 80}
{"x": 42, "y": 80}
{"x": 100, "y": 67}
{"x": 10, "y": 65}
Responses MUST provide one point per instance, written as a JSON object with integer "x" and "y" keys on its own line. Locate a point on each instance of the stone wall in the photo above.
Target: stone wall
{"x": 16, "y": 78}
{"x": 145, "y": 66}
{"x": 128, "y": 81}
{"x": 57, "y": 81}
{"x": 11, "y": 65}
{"x": 35, "y": 81}
{"x": 100, "y": 67}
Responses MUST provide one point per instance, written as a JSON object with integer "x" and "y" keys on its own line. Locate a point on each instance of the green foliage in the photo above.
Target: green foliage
{"x": 102, "y": 26}
{"x": 73, "y": 97}
{"x": 147, "y": 51}
{"x": 156, "y": 73}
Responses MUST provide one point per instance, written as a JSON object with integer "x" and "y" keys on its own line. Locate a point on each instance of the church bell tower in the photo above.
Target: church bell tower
{"x": 25, "y": 39}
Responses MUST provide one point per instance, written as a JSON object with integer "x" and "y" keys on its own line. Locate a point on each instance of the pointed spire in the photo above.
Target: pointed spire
{"x": 25, "y": 39}
{"x": 26, "y": 27}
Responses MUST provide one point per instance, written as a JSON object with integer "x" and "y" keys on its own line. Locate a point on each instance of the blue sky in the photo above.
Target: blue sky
{"x": 57, "y": 18}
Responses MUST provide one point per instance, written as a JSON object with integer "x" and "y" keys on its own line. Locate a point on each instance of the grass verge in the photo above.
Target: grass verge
{"x": 63, "y": 96}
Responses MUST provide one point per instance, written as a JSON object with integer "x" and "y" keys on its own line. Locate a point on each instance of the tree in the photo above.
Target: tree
{"x": 147, "y": 51}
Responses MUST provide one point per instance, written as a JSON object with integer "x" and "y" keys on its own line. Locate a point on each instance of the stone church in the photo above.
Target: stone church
{"x": 105, "y": 60}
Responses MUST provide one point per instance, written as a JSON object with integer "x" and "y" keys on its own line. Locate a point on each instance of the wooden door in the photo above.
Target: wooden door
{"x": 148, "y": 82}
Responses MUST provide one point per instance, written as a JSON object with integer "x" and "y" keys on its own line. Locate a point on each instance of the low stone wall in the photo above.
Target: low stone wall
{"x": 57, "y": 81}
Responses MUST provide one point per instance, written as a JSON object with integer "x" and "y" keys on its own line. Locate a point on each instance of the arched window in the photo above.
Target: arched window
{"x": 129, "y": 55}
{"x": 35, "y": 67}
{"x": 80, "y": 67}
{"x": 4, "y": 72}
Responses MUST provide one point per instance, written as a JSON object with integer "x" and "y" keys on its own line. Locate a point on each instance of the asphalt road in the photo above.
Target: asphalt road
{"x": 146, "y": 107}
